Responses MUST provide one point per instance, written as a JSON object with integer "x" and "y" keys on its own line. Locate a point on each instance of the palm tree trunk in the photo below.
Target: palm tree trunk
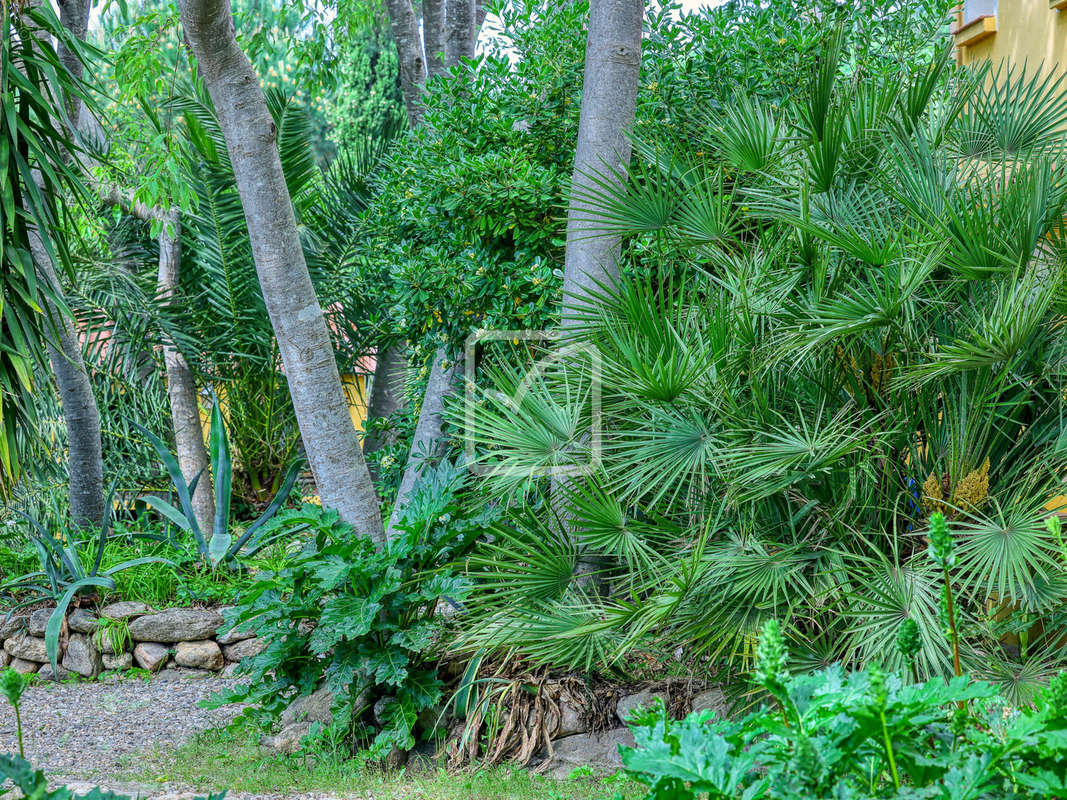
{"x": 181, "y": 385}
{"x": 429, "y": 432}
{"x": 459, "y": 30}
{"x": 81, "y": 415}
{"x": 433, "y": 35}
{"x": 412, "y": 62}
{"x": 303, "y": 339}
{"x": 386, "y": 392}
{"x": 85, "y": 458}
{"x": 609, "y": 98}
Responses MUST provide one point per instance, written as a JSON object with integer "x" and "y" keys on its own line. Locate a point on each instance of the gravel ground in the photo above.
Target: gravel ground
{"x": 80, "y": 732}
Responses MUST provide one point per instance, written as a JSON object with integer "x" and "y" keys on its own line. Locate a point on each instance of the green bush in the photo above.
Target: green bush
{"x": 840, "y": 316}
{"x": 360, "y": 621}
{"x": 835, "y": 734}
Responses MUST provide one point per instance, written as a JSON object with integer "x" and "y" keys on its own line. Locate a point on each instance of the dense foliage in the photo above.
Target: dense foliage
{"x": 843, "y": 315}
{"x": 856, "y": 735}
{"x": 361, "y": 622}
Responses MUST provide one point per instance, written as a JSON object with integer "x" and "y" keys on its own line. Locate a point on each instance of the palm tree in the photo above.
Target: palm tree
{"x": 296, "y": 316}
{"x": 843, "y": 315}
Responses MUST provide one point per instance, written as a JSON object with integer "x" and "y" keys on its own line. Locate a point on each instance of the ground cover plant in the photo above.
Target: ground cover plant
{"x": 864, "y": 734}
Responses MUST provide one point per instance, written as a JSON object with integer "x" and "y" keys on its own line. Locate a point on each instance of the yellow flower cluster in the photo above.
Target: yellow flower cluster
{"x": 970, "y": 492}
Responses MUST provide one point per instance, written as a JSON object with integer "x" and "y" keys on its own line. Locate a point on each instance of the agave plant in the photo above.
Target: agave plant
{"x": 219, "y": 545}
{"x": 69, "y": 565}
{"x": 843, "y": 315}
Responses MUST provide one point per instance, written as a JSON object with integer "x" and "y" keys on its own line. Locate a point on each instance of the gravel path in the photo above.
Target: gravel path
{"x": 80, "y": 732}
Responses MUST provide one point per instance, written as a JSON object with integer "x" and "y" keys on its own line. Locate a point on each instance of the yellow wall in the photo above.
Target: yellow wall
{"x": 1027, "y": 30}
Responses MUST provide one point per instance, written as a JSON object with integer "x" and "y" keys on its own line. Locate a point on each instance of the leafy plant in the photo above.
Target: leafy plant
{"x": 359, "y": 621}
{"x": 220, "y": 546}
{"x": 67, "y": 567}
{"x": 840, "y": 315}
{"x": 855, "y": 735}
{"x": 112, "y": 635}
{"x": 12, "y": 685}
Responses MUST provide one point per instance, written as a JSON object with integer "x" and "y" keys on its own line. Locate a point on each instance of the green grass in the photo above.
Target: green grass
{"x": 231, "y": 759}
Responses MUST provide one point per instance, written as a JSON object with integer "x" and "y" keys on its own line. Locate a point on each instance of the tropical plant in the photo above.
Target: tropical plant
{"x": 220, "y": 545}
{"x": 842, "y": 316}
{"x": 34, "y": 171}
{"x": 855, "y": 735}
{"x": 68, "y": 565}
{"x": 359, "y": 621}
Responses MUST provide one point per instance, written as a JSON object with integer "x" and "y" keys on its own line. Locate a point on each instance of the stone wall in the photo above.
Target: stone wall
{"x": 124, "y": 635}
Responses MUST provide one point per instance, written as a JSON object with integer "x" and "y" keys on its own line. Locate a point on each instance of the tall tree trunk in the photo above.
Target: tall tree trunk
{"x": 433, "y": 21}
{"x": 609, "y": 97}
{"x": 328, "y": 434}
{"x": 85, "y": 458}
{"x": 429, "y": 433}
{"x": 81, "y": 415}
{"x": 459, "y": 30}
{"x": 181, "y": 385}
{"x": 412, "y": 62}
{"x": 386, "y": 392}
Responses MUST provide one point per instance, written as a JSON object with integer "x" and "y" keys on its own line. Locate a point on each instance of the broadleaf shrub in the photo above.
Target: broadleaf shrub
{"x": 358, "y": 620}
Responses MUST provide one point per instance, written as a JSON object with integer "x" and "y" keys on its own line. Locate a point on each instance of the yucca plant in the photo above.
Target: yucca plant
{"x": 220, "y": 545}
{"x": 842, "y": 315}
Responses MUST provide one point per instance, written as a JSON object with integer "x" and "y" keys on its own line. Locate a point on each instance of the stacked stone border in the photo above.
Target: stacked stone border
{"x": 178, "y": 637}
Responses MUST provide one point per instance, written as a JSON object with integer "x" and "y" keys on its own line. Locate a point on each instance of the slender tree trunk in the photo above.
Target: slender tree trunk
{"x": 609, "y": 97}
{"x": 329, "y": 437}
{"x": 181, "y": 385}
{"x": 81, "y": 415}
{"x": 412, "y": 62}
{"x": 459, "y": 30}
{"x": 85, "y": 458}
{"x": 429, "y": 433}
{"x": 433, "y": 35}
{"x": 386, "y": 392}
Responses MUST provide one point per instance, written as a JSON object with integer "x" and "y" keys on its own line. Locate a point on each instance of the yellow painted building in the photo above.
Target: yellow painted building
{"x": 1031, "y": 31}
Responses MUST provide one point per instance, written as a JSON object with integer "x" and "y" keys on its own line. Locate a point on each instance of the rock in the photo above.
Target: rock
{"x": 430, "y": 720}
{"x": 314, "y": 707}
{"x": 176, "y": 625}
{"x": 230, "y": 670}
{"x": 38, "y": 620}
{"x": 26, "y": 647}
{"x": 568, "y": 723}
{"x": 246, "y": 648}
{"x": 235, "y": 636}
{"x": 9, "y": 626}
{"x": 287, "y": 740}
{"x": 631, "y": 702}
{"x": 82, "y": 657}
{"x": 23, "y": 666}
{"x": 199, "y": 655}
{"x": 125, "y": 609}
{"x": 150, "y": 655}
{"x": 183, "y": 674}
{"x": 5, "y": 658}
{"x": 712, "y": 700}
{"x": 119, "y": 661}
{"x": 82, "y": 621}
{"x": 596, "y": 751}
{"x": 45, "y": 673}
